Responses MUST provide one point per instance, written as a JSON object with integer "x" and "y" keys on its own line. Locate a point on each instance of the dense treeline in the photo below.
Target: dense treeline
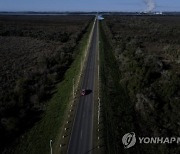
{"x": 112, "y": 93}
{"x": 147, "y": 54}
{"x": 35, "y": 52}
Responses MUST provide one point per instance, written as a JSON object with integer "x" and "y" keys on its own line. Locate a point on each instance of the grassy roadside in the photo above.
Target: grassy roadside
{"x": 64, "y": 135}
{"x": 37, "y": 139}
{"x": 117, "y": 109}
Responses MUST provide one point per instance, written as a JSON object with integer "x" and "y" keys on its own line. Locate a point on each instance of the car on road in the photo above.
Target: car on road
{"x": 83, "y": 92}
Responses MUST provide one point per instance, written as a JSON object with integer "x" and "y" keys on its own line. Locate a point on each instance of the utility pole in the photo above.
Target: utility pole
{"x": 51, "y": 146}
{"x": 73, "y": 88}
{"x": 81, "y": 64}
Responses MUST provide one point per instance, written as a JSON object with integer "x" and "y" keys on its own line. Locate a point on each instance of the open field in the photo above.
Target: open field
{"x": 35, "y": 53}
{"x": 141, "y": 88}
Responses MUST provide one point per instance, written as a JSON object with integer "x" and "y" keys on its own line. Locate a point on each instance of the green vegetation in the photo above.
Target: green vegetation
{"x": 117, "y": 107}
{"x": 37, "y": 140}
{"x": 146, "y": 55}
{"x": 34, "y": 113}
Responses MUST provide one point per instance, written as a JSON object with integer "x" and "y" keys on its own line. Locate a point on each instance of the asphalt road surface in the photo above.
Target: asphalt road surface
{"x": 82, "y": 131}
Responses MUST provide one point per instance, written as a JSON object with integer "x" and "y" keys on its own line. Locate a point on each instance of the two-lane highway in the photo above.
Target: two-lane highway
{"x": 82, "y": 131}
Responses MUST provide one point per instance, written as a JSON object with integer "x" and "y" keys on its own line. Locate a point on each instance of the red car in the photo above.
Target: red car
{"x": 83, "y": 92}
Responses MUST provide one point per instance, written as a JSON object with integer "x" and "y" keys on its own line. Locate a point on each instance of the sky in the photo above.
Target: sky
{"x": 87, "y": 5}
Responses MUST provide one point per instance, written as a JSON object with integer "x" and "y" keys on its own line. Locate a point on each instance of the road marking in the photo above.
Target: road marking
{"x": 99, "y": 101}
{"x": 81, "y": 134}
{"x": 99, "y": 110}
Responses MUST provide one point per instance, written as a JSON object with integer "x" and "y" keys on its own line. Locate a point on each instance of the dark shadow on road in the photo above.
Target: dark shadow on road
{"x": 88, "y": 91}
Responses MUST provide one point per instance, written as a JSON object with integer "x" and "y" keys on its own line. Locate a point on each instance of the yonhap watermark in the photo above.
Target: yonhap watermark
{"x": 130, "y": 140}
{"x": 159, "y": 140}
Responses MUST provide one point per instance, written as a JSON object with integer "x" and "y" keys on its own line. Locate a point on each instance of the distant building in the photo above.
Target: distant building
{"x": 158, "y": 13}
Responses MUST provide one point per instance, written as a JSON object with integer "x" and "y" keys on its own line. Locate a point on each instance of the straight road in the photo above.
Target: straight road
{"x": 82, "y": 131}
